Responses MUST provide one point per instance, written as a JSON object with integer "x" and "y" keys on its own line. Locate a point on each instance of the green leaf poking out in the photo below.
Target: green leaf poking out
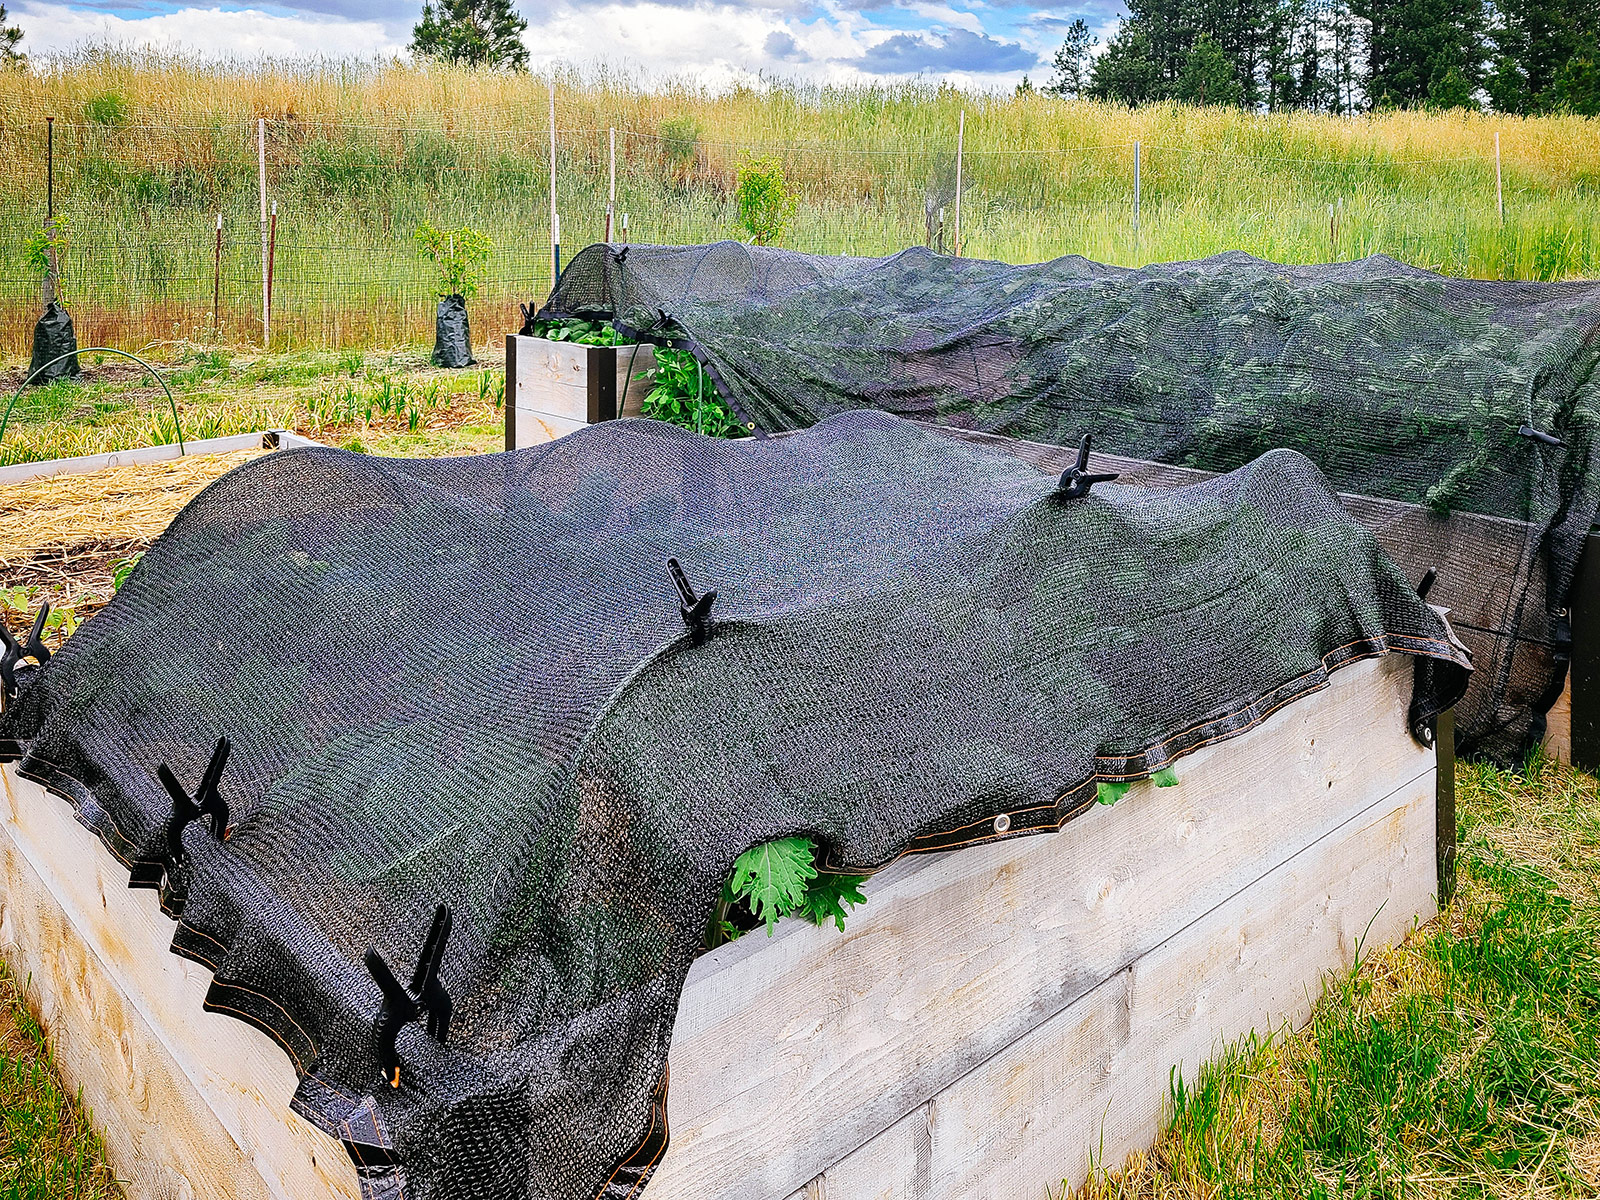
{"x": 828, "y": 894}
{"x": 1109, "y": 793}
{"x": 1166, "y": 777}
{"x": 773, "y": 877}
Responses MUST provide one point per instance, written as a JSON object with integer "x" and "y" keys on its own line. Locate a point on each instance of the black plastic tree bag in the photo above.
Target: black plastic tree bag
{"x": 897, "y": 638}
{"x": 452, "y": 338}
{"x": 53, "y": 336}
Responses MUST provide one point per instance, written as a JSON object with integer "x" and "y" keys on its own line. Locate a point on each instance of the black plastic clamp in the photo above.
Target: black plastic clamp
{"x": 401, "y": 1005}
{"x": 16, "y": 652}
{"x": 206, "y": 802}
{"x": 696, "y": 610}
{"x": 1429, "y": 578}
{"x": 1539, "y": 435}
{"x": 1076, "y": 480}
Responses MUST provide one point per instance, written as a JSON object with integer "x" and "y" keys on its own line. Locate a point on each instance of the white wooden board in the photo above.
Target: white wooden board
{"x": 192, "y": 1104}
{"x": 948, "y": 965}
{"x": 551, "y": 386}
{"x": 1090, "y": 1084}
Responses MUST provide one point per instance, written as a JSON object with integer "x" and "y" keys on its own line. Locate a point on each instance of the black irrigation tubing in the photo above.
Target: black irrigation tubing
{"x": 176, "y": 427}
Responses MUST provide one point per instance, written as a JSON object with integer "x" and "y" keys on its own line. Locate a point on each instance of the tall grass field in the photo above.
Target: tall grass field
{"x": 149, "y": 150}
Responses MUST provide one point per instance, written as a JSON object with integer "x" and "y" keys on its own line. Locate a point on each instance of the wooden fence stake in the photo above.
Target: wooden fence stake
{"x": 50, "y": 208}
{"x": 555, "y": 221}
{"x": 1499, "y": 184}
{"x": 611, "y": 202}
{"x": 216, "y": 282}
{"x": 1136, "y": 165}
{"x": 261, "y": 188}
{"x": 961, "y": 140}
{"x": 272, "y": 254}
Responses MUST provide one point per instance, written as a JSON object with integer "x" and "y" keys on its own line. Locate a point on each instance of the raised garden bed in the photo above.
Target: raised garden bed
{"x": 990, "y": 1020}
{"x": 553, "y": 388}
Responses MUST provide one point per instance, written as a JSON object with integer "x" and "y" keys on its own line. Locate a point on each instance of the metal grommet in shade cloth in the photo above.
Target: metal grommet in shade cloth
{"x": 1002, "y": 823}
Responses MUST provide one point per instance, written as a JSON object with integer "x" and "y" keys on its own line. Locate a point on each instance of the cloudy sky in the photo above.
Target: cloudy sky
{"x": 976, "y": 43}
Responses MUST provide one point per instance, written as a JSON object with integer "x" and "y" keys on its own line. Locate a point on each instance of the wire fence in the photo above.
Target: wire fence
{"x": 146, "y": 262}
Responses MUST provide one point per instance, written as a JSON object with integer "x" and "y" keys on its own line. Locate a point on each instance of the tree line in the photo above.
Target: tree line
{"x": 1342, "y": 56}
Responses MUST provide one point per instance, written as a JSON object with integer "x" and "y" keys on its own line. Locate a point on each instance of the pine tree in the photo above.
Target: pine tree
{"x": 1072, "y": 62}
{"x": 1413, "y": 44}
{"x": 476, "y": 32}
{"x": 1208, "y": 77}
{"x": 1126, "y": 71}
{"x": 10, "y": 38}
{"x": 1535, "y": 41}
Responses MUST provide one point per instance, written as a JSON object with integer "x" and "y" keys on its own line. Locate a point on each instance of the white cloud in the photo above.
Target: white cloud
{"x": 714, "y": 43}
{"x": 245, "y": 33}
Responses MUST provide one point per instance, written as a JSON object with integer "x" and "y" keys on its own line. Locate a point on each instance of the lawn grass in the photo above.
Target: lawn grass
{"x": 48, "y": 1148}
{"x": 1463, "y": 1063}
{"x": 389, "y": 402}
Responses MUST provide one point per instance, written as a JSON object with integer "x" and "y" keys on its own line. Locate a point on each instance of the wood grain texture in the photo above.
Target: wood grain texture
{"x": 1558, "y": 726}
{"x": 949, "y": 964}
{"x": 552, "y": 385}
{"x": 191, "y": 1103}
{"x": 1090, "y": 1084}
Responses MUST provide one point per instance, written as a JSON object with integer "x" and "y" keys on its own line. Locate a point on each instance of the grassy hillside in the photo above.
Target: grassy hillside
{"x": 150, "y": 149}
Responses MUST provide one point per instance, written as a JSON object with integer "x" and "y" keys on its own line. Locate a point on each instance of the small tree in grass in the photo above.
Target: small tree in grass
{"x": 461, "y": 256}
{"x": 766, "y": 205}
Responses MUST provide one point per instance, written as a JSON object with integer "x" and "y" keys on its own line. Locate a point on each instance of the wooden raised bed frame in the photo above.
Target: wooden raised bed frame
{"x": 991, "y": 1020}
{"x": 553, "y": 388}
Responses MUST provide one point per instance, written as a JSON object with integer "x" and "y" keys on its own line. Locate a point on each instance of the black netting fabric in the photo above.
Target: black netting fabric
{"x": 469, "y": 682}
{"x": 1402, "y": 385}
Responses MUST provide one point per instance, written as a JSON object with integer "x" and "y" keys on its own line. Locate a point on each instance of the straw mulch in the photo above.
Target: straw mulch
{"x": 62, "y": 537}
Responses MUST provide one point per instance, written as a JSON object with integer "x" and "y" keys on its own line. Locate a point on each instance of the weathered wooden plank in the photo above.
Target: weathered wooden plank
{"x": 1089, "y": 1085}
{"x": 192, "y": 1104}
{"x": 558, "y": 382}
{"x": 271, "y": 439}
{"x": 949, "y": 964}
{"x": 1558, "y": 726}
{"x": 533, "y": 428}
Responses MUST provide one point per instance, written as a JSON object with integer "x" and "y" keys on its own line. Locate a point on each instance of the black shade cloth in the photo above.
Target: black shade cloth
{"x": 468, "y": 681}
{"x": 1402, "y": 385}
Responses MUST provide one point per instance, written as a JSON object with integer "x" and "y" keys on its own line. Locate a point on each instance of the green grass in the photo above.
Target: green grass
{"x": 1464, "y": 1063}
{"x": 48, "y": 1149}
{"x": 392, "y": 403}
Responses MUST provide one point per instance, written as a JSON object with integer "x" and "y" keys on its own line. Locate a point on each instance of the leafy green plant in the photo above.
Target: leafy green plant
{"x": 462, "y": 255}
{"x": 682, "y": 395}
{"x": 46, "y": 249}
{"x": 1109, "y": 793}
{"x": 578, "y": 330}
{"x": 777, "y": 879}
{"x": 764, "y": 201}
{"x": 122, "y": 568}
